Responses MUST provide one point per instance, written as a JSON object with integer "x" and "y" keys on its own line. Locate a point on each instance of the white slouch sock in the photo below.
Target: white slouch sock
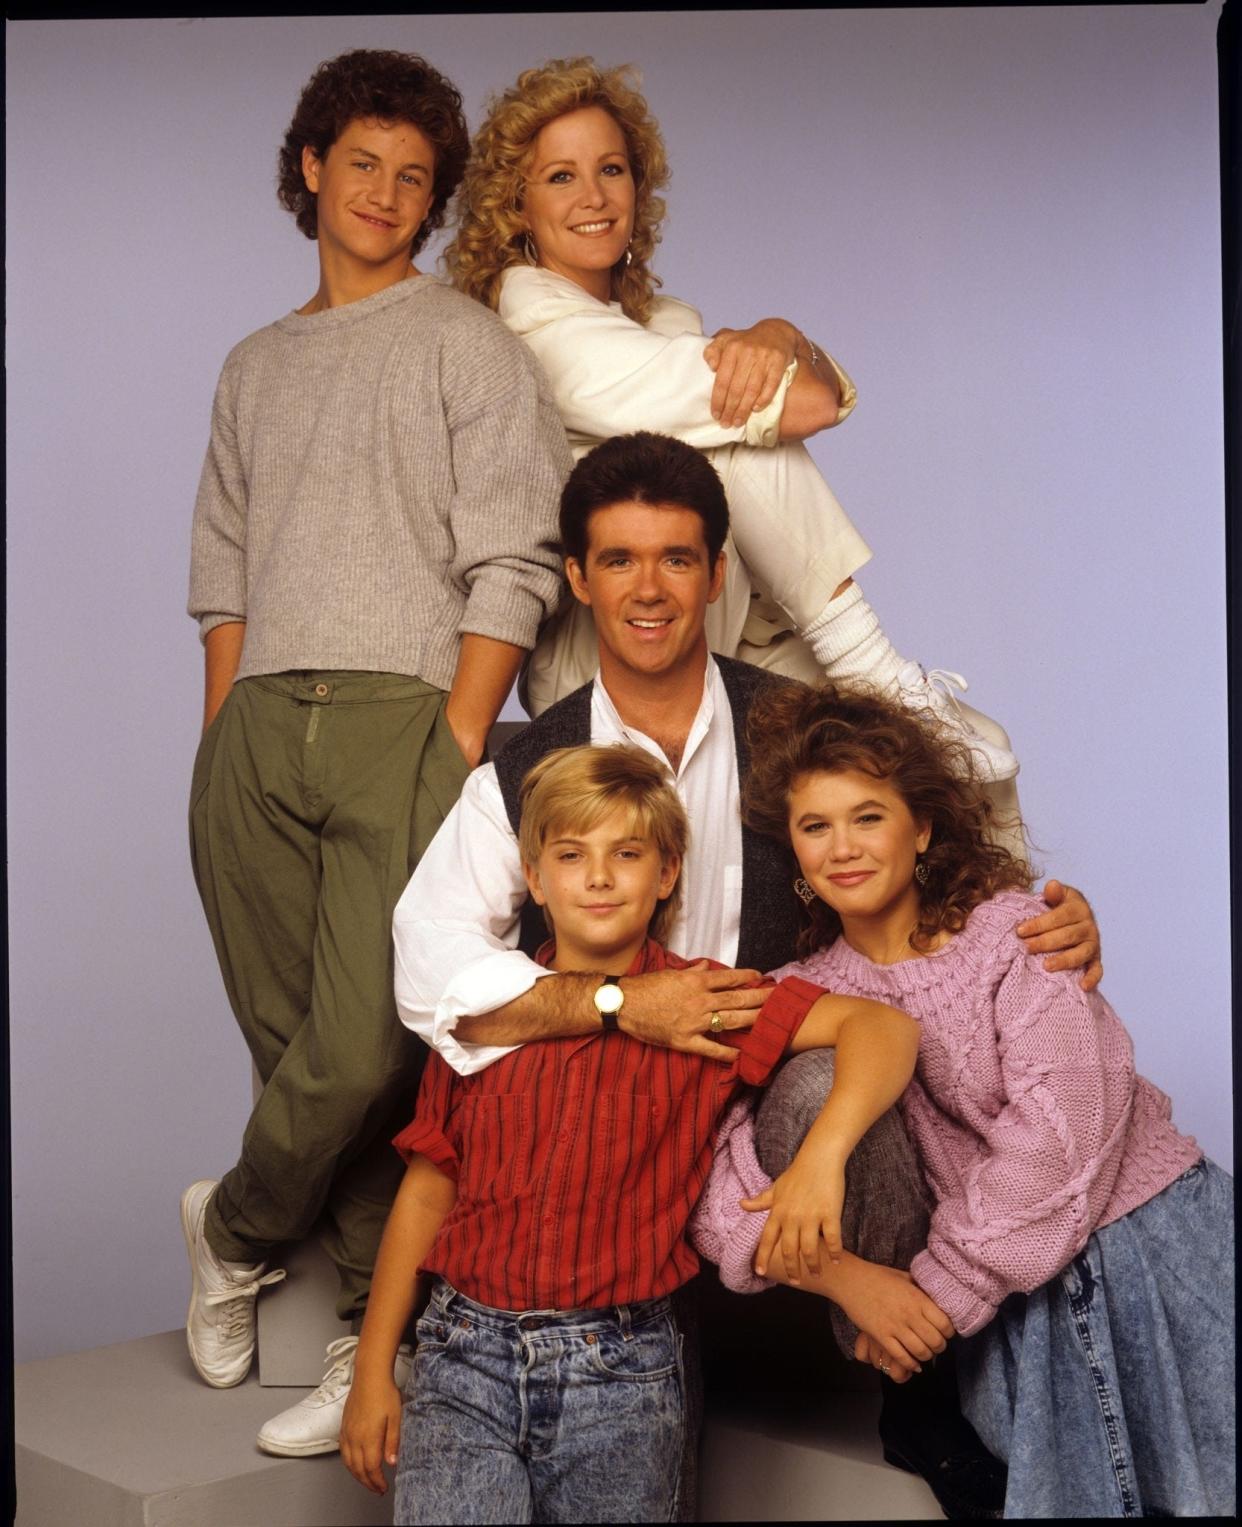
{"x": 849, "y": 643}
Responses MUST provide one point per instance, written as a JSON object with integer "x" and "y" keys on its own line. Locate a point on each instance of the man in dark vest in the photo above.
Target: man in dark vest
{"x": 643, "y": 524}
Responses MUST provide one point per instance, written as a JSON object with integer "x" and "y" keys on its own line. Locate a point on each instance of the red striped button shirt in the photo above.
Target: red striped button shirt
{"x": 578, "y": 1161}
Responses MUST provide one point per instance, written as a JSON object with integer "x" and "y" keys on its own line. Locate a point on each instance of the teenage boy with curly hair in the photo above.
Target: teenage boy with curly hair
{"x": 373, "y": 552}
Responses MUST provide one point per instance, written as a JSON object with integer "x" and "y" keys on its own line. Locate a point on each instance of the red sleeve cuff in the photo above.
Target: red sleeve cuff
{"x": 761, "y": 1049}
{"x": 420, "y": 1138}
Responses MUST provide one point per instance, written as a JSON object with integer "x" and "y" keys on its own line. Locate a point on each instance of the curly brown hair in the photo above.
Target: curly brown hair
{"x": 391, "y": 87}
{"x": 490, "y": 231}
{"x": 795, "y": 730}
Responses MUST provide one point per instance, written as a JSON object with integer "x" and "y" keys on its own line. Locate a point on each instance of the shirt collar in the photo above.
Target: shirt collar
{"x": 651, "y": 956}
{"x": 714, "y": 699}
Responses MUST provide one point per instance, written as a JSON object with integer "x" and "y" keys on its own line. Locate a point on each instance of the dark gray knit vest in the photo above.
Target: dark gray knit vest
{"x": 770, "y": 910}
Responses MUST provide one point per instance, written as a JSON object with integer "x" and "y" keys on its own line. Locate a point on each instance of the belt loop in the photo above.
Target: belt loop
{"x": 623, "y": 1319}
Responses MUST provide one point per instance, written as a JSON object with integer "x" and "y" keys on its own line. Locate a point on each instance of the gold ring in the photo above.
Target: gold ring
{"x": 717, "y": 1024}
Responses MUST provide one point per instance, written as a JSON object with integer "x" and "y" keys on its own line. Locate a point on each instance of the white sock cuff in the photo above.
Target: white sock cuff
{"x": 846, "y": 626}
{"x": 835, "y": 606}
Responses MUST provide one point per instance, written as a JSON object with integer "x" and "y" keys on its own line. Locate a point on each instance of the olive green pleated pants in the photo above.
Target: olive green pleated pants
{"x": 314, "y": 795}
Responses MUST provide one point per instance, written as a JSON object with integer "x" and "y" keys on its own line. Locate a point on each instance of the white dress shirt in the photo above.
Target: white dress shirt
{"x": 455, "y": 928}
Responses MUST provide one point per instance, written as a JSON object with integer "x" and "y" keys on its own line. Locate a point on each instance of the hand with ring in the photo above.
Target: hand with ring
{"x": 717, "y": 1024}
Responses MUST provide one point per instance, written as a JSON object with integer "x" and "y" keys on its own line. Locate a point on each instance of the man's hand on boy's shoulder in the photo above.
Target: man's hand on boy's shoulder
{"x": 676, "y": 1008}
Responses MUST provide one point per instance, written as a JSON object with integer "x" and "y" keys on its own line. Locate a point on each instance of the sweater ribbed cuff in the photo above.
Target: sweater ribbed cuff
{"x": 965, "y": 1309}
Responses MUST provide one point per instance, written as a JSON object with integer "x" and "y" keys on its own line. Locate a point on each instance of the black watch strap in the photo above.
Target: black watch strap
{"x": 609, "y": 1020}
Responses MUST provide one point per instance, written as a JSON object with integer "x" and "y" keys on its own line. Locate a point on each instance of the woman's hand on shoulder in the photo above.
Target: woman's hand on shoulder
{"x": 1068, "y": 932}
{"x": 749, "y": 365}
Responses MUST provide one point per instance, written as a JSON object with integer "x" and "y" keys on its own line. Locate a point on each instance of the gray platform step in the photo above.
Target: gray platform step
{"x": 817, "y": 1461}
{"x": 129, "y": 1436}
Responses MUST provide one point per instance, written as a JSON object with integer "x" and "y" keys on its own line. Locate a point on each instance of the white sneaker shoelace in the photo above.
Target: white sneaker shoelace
{"x": 340, "y": 1371}
{"x": 944, "y": 682}
{"x": 235, "y": 1313}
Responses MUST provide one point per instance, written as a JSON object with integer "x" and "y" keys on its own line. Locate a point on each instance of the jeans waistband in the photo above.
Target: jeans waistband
{"x": 613, "y": 1317}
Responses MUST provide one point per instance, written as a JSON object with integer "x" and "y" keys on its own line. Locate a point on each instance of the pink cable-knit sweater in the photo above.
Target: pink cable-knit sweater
{"x": 1031, "y": 1124}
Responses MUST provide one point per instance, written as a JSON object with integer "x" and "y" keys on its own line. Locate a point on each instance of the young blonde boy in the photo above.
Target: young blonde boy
{"x": 549, "y": 1194}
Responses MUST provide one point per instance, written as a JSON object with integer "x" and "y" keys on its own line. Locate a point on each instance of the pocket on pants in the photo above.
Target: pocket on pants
{"x": 442, "y": 770}
{"x": 648, "y": 1356}
{"x": 436, "y": 1332}
{"x": 200, "y": 778}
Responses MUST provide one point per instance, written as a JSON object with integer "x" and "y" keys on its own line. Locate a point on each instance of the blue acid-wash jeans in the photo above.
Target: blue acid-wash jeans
{"x": 541, "y": 1416}
{"x": 1109, "y": 1391}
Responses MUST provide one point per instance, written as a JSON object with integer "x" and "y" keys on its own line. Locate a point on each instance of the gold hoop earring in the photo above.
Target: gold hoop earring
{"x": 529, "y": 250}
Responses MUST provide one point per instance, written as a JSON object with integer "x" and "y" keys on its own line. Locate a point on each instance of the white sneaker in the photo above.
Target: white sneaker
{"x": 220, "y": 1327}
{"x": 934, "y": 692}
{"x": 313, "y": 1425}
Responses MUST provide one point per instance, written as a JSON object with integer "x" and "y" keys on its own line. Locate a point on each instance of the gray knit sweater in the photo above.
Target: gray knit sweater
{"x": 382, "y": 478}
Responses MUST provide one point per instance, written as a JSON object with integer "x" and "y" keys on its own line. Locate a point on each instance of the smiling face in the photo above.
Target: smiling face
{"x": 579, "y": 198}
{"x": 373, "y": 189}
{"x": 600, "y": 886}
{"x": 648, "y": 579}
{"x": 857, "y": 843}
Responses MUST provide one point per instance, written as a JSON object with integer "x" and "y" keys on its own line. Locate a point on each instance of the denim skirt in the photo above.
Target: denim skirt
{"x": 1109, "y": 1391}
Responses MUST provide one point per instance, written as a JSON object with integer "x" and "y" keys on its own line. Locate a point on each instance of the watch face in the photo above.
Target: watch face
{"x": 608, "y": 999}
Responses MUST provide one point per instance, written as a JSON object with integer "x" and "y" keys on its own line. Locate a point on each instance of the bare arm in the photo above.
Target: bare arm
{"x": 877, "y": 1047}
{"x": 222, "y": 650}
{"x": 672, "y": 1008}
{"x": 749, "y": 364}
{"x": 486, "y": 669}
{"x": 371, "y": 1424}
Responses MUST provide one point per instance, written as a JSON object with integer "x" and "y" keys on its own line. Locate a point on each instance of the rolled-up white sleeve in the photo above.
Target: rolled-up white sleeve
{"x": 455, "y": 929}
{"x": 611, "y": 375}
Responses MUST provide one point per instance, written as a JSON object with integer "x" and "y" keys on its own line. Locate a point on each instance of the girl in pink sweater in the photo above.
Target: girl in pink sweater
{"x": 1080, "y": 1245}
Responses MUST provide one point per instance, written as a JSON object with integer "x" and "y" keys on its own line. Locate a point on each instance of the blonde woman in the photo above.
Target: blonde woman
{"x": 560, "y": 216}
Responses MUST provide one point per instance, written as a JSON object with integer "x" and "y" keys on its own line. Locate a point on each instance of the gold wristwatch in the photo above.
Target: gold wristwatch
{"x": 609, "y": 999}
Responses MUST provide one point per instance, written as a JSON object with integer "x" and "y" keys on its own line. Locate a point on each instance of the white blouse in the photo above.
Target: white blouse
{"x": 791, "y": 543}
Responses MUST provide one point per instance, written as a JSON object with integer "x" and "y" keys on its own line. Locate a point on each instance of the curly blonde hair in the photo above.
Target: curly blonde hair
{"x": 490, "y": 233}
{"x": 795, "y": 730}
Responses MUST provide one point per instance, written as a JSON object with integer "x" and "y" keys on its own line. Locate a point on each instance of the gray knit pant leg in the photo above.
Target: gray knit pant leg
{"x": 887, "y": 1205}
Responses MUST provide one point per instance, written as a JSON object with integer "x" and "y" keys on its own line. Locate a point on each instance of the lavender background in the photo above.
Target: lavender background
{"x": 1005, "y": 222}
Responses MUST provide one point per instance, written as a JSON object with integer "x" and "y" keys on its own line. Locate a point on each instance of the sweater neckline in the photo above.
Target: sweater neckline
{"x": 1002, "y": 911}
{"x": 355, "y": 312}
